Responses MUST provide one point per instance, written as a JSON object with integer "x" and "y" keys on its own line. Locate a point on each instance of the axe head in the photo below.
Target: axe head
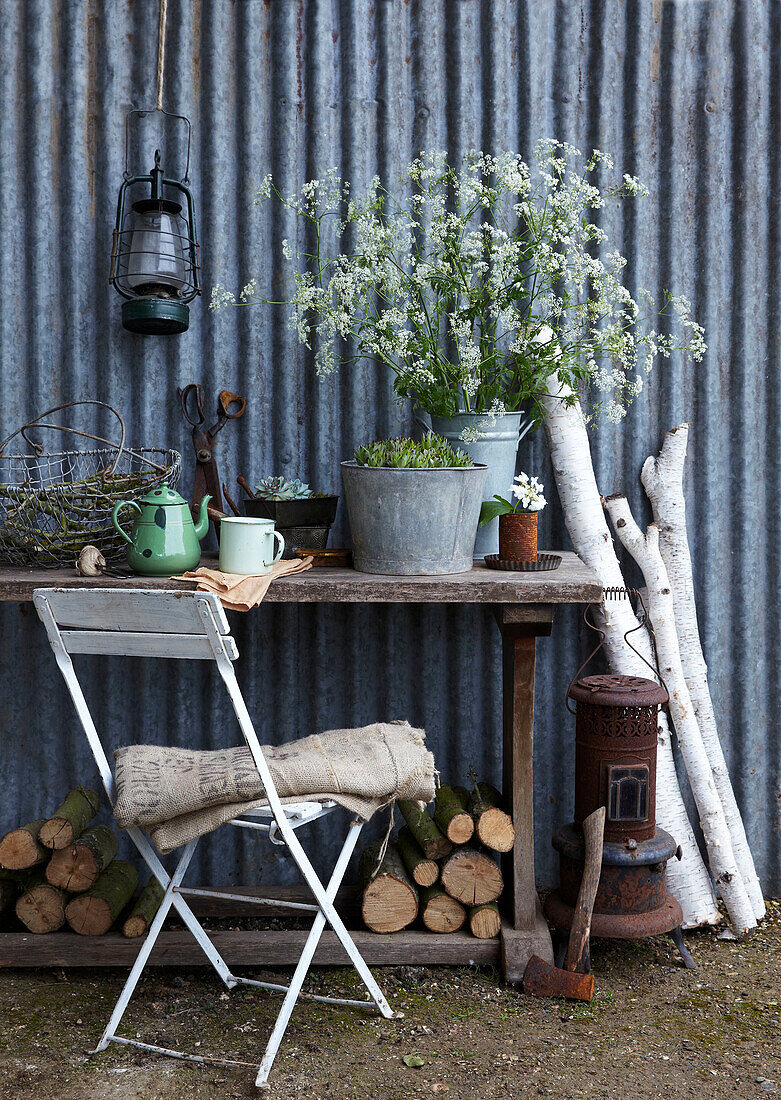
{"x": 541, "y": 979}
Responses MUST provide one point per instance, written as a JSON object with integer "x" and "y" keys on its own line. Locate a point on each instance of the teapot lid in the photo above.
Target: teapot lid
{"x": 162, "y": 496}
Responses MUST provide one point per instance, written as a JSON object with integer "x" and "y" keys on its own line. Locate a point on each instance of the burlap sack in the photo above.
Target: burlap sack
{"x": 179, "y": 794}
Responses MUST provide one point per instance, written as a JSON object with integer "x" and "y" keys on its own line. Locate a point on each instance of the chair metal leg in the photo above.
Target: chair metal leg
{"x": 336, "y": 922}
{"x": 305, "y": 961}
{"x": 146, "y": 948}
{"x": 182, "y": 908}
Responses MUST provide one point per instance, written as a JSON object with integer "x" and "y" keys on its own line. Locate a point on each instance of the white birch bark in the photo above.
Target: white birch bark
{"x": 644, "y": 548}
{"x": 662, "y": 478}
{"x": 565, "y": 428}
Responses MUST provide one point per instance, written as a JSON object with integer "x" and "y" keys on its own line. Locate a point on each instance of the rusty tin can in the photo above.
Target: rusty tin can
{"x": 518, "y": 536}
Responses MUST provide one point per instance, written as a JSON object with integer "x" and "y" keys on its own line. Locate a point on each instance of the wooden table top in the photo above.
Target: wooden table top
{"x": 572, "y": 582}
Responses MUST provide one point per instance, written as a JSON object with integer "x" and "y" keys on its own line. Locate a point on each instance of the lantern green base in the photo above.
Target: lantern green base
{"x": 155, "y": 316}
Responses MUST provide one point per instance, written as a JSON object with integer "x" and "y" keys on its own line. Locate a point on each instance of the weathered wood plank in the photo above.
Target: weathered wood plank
{"x": 125, "y": 607}
{"x": 194, "y": 647}
{"x": 518, "y": 653}
{"x": 259, "y": 948}
{"x": 572, "y": 582}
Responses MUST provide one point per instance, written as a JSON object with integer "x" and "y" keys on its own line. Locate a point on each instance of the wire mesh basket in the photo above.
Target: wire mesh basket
{"x": 53, "y": 504}
{"x": 303, "y": 538}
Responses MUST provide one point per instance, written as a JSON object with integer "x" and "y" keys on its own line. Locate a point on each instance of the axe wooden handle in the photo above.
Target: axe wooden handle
{"x": 593, "y": 836}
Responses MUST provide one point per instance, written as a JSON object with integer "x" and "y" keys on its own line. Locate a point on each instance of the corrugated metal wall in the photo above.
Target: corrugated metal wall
{"x": 684, "y": 94}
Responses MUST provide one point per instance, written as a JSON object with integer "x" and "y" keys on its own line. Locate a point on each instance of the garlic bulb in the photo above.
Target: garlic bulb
{"x": 91, "y": 562}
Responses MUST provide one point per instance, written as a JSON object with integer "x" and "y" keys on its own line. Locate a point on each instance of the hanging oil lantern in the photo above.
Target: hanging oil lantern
{"x": 154, "y": 258}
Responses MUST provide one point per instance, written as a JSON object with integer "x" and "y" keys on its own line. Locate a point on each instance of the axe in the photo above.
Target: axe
{"x": 540, "y": 979}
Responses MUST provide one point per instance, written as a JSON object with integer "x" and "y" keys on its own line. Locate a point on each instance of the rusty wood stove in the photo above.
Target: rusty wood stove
{"x": 524, "y": 606}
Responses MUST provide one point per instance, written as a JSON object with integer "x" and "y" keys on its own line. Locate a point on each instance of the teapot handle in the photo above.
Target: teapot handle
{"x": 124, "y": 504}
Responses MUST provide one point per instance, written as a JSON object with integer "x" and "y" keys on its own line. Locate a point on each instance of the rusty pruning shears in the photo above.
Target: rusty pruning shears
{"x": 229, "y": 407}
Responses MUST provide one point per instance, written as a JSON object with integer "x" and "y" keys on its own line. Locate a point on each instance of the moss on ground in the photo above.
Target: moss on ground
{"x": 653, "y": 1029}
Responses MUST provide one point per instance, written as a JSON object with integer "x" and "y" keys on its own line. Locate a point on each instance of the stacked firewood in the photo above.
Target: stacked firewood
{"x": 442, "y": 868}
{"x": 63, "y": 869}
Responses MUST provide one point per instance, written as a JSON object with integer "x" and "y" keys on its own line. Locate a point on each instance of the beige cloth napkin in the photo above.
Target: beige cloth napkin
{"x": 239, "y": 593}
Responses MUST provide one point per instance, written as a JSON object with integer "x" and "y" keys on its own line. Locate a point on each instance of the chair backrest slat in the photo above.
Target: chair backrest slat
{"x": 128, "y": 609}
{"x": 144, "y": 644}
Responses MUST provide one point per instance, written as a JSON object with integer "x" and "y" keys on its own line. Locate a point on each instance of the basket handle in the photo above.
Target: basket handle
{"x": 38, "y": 447}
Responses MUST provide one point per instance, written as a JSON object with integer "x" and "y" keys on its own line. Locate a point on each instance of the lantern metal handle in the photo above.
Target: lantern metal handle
{"x": 141, "y": 111}
{"x": 617, "y": 593}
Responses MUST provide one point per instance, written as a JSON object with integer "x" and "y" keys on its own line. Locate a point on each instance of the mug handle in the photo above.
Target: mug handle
{"x": 281, "y": 550}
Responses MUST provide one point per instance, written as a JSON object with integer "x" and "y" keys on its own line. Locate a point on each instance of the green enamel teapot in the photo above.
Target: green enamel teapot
{"x": 164, "y": 539}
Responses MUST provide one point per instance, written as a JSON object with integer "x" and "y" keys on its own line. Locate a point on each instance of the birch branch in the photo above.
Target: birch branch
{"x": 662, "y": 478}
{"x": 645, "y": 550}
{"x": 570, "y": 452}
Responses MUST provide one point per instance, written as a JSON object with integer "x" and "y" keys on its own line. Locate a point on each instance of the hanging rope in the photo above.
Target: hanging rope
{"x": 161, "y": 52}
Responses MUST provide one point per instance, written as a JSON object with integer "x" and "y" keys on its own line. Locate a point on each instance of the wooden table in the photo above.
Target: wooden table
{"x": 523, "y": 605}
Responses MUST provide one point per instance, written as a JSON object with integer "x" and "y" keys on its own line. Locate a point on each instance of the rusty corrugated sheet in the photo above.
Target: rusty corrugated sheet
{"x": 685, "y": 95}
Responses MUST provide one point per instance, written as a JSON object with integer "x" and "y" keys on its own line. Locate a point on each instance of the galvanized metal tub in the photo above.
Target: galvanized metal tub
{"x": 497, "y": 448}
{"x": 413, "y": 522}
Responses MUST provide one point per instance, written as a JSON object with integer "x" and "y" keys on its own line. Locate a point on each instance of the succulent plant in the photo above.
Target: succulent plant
{"x": 432, "y": 451}
{"x": 279, "y": 488}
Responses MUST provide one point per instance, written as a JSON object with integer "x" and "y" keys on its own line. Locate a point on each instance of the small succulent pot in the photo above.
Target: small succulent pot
{"x": 518, "y": 536}
{"x": 307, "y": 512}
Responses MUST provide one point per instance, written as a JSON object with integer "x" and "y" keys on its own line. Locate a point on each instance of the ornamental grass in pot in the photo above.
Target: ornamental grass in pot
{"x": 413, "y": 507}
{"x": 518, "y": 521}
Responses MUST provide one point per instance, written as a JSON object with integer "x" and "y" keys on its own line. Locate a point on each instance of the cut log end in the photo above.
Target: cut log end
{"x": 93, "y": 913}
{"x": 144, "y": 910}
{"x": 77, "y": 867}
{"x": 135, "y": 927}
{"x": 41, "y": 909}
{"x": 451, "y": 815}
{"x": 441, "y": 913}
{"x": 89, "y": 916}
{"x": 424, "y": 872}
{"x": 495, "y": 830}
{"x": 70, "y": 819}
{"x": 57, "y": 833}
{"x": 388, "y": 905}
{"x": 485, "y": 922}
{"x": 460, "y": 829}
{"x": 433, "y": 843}
{"x": 20, "y": 849}
{"x": 471, "y": 877}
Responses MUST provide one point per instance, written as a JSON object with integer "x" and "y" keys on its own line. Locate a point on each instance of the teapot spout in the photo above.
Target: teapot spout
{"x": 202, "y": 526}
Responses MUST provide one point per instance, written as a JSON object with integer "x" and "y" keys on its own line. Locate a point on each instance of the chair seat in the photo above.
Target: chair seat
{"x": 294, "y": 811}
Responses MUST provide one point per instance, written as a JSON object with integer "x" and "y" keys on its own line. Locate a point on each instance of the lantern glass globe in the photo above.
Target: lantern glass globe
{"x": 155, "y": 261}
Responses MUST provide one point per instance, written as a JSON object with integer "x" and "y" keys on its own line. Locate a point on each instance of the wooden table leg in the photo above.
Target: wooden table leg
{"x": 526, "y": 932}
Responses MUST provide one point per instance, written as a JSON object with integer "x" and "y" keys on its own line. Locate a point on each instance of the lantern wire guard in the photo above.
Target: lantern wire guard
{"x": 155, "y": 253}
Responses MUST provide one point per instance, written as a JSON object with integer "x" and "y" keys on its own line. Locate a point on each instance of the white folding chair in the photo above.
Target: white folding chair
{"x": 153, "y": 623}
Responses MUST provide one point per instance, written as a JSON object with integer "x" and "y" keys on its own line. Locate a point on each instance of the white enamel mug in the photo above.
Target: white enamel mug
{"x": 247, "y": 545}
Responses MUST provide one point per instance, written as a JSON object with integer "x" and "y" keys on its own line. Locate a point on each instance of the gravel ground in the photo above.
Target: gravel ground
{"x": 653, "y": 1030}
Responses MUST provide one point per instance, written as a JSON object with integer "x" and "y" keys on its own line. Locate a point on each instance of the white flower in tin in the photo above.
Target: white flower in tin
{"x": 529, "y": 493}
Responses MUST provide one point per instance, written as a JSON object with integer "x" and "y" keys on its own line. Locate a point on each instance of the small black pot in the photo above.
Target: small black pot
{"x": 311, "y": 512}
